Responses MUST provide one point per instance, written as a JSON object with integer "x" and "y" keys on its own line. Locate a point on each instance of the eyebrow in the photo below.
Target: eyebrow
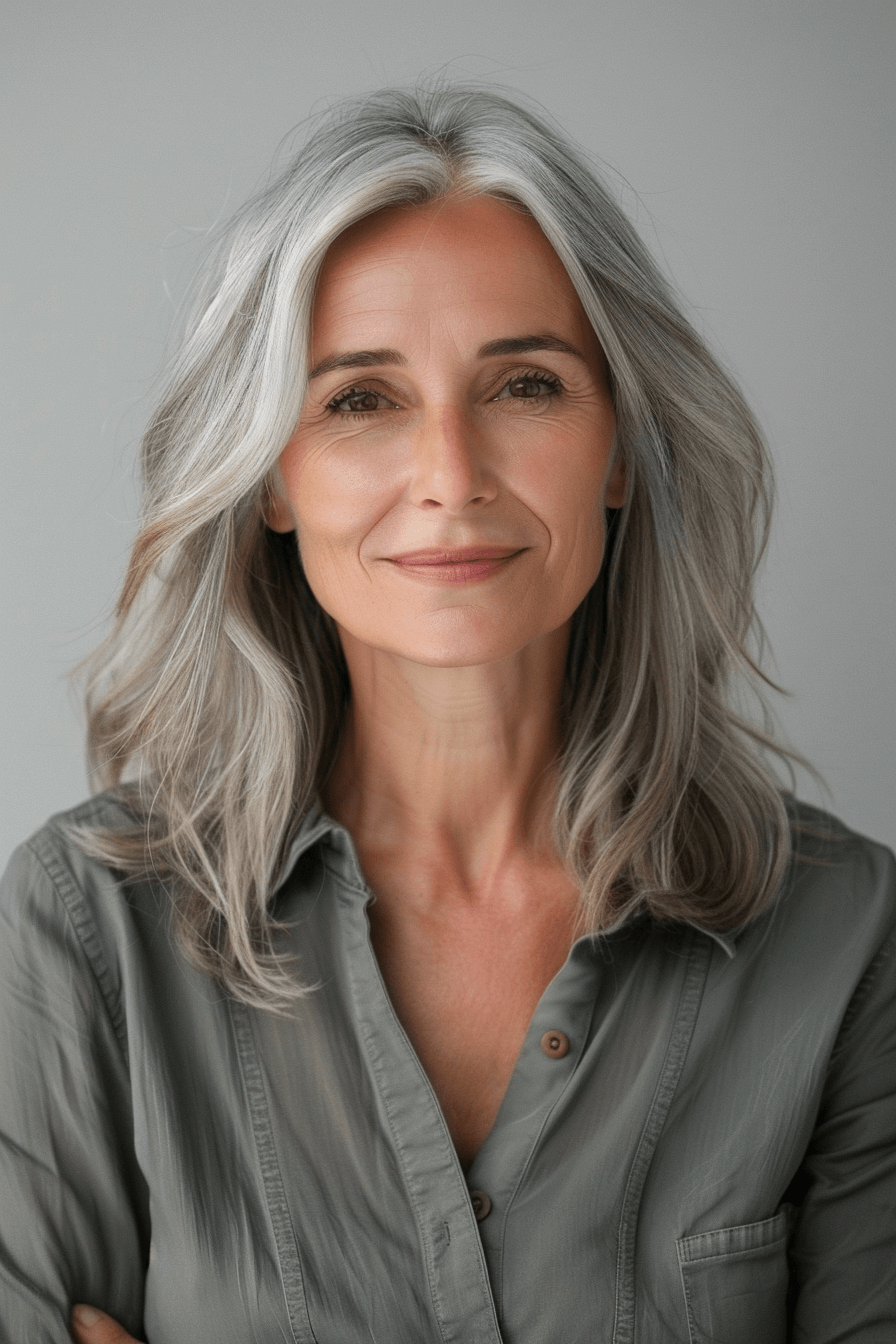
{"x": 507, "y": 345}
{"x": 524, "y": 345}
{"x": 356, "y": 359}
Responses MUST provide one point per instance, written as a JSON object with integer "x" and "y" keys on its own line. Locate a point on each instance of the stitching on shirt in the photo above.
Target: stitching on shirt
{"x": 445, "y": 1329}
{"x": 75, "y": 906}
{"x": 587, "y": 1034}
{"x": 863, "y": 992}
{"x": 272, "y": 1178}
{"x": 410, "y": 1184}
{"x": 773, "y": 1229}
{"x": 688, "y": 1305}
{"x": 736, "y": 1254}
{"x": 699, "y": 951}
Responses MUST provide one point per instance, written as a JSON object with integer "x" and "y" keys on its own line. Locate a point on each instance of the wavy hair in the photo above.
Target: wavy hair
{"x": 220, "y": 691}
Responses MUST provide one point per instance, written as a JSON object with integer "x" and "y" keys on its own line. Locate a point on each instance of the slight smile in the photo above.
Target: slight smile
{"x": 466, "y": 564}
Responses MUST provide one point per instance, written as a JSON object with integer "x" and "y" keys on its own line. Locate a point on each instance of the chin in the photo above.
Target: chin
{"x": 472, "y": 657}
{"x": 458, "y": 647}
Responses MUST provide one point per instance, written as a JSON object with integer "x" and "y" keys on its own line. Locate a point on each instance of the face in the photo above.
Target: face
{"x": 448, "y": 476}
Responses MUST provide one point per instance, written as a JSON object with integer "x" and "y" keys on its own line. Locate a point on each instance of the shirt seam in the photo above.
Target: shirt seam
{"x": 447, "y": 1331}
{"x": 86, "y": 933}
{"x": 444, "y": 1329}
{"x": 528, "y": 1162}
{"x": 735, "y": 1252}
{"x": 288, "y": 1254}
{"x": 863, "y": 992}
{"x": 694, "y": 1237}
{"x": 699, "y": 953}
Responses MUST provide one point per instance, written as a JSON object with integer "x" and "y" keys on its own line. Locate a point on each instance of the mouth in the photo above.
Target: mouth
{"x": 461, "y": 555}
{"x": 463, "y": 564}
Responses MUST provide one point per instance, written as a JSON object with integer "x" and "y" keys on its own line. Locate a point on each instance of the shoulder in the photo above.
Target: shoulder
{"x": 53, "y": 866}
{"x": 55, "y": 845}
{"x": 835, "y": 913}
{"x": 833, "y": 864}
{"x": 59, "y": 906}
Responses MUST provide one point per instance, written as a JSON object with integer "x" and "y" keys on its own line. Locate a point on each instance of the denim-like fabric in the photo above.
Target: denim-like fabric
{"x": 714, "y": 1158}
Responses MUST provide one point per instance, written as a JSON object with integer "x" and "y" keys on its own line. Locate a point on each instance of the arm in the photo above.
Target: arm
{"x": 844, "y": 1249}
{"x": 74, "y": 1225}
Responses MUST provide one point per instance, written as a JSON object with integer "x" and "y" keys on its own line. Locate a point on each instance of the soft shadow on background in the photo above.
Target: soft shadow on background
{"x": 752, "y": 144}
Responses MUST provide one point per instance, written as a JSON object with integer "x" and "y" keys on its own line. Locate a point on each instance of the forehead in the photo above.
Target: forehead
{"x": 473, "y": 261}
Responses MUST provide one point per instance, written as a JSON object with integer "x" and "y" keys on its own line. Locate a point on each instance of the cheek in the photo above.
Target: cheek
{"x": 336, "y": 497}
{"x": 337, "y": 502}
{"x": 565, "y": 490}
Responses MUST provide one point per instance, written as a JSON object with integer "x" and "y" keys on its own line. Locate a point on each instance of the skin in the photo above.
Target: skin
{"x": 446, "y": 774}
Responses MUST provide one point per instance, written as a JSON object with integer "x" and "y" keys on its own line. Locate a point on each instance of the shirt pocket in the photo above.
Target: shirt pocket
{"x": 735, "y": 1282}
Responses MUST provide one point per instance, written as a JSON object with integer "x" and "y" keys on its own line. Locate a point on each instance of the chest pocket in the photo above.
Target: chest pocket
{"x": 735, "y": 1282}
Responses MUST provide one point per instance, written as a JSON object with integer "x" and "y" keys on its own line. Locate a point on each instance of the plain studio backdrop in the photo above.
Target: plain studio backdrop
{"x": 752, "y": 143}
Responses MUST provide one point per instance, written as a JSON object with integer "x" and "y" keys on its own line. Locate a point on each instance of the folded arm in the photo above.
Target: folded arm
{"x": 74, "y": 1224}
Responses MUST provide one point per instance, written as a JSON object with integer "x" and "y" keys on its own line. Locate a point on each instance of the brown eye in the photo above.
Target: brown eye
{"x": 526, "y": 387}
{"x": 358, "y": 400}
{"x": 529, "y": 386}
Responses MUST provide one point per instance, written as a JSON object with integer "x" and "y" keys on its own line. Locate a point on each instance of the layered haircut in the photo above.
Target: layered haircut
{"x": 220, "y": 693}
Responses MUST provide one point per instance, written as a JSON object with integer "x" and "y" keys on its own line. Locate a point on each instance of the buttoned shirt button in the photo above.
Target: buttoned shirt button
{"x": 482, "y": 1205}
{"x": 555, "y": 1044}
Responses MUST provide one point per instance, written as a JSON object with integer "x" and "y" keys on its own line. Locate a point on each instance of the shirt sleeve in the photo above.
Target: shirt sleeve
{"x": 73, "y": 1222}
{"x": 844, "y": 1247}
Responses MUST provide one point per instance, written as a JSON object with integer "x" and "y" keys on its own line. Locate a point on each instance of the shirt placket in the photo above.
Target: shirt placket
{"x": 553, "y": 1047}
{"x": 452, "y": 1250}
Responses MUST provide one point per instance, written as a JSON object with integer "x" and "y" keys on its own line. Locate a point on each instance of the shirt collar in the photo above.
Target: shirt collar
{"x": 726, "y": 941}
{"x": 313, "y": 826}
{"x": 316, "y": 824}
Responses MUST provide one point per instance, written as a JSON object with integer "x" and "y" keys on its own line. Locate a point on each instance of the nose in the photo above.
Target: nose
{"x": 450, "y": 468}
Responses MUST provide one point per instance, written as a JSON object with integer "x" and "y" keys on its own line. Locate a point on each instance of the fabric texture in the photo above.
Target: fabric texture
{"x": 712, "y": 1159}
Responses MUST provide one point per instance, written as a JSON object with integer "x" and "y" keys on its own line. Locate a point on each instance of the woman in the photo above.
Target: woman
{"x": 451, "y": 966}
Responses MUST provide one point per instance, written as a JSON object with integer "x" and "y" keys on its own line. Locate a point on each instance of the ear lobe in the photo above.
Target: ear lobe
{"x": 277, "y": 512}
{"x": 614, "y": 490}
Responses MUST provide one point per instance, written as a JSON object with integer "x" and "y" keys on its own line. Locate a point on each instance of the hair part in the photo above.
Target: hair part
{"x": 220, "y": 691}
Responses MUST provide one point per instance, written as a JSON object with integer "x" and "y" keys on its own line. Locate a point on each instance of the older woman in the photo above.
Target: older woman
{"x": 442, "y": 961}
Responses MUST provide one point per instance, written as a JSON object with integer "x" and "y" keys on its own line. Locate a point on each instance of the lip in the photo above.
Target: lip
{"x": 457, "y": 565}
{"x": 461, "y": 555}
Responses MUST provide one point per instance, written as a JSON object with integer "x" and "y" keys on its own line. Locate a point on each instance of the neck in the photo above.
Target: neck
{"x": 456, "y": 763}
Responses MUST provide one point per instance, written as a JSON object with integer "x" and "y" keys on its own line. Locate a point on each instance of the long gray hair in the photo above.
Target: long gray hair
{"x": 220, "y": 692}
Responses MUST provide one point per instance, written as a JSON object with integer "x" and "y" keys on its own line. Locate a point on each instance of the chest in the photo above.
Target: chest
{"x": 464, "y": 980}
{"x": 343, "y": 1204}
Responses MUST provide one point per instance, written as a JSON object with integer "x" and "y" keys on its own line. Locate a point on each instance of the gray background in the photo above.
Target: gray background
{"x": 752, "y": 142}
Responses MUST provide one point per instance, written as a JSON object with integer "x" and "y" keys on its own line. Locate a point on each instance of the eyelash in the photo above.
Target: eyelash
{"x": 552, "y": 385}
{"x": 547, "y": 380}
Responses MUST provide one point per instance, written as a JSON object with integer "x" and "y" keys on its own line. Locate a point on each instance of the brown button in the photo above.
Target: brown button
{"x": 482, "y": 1205}
{"x": 555, "y": 1044}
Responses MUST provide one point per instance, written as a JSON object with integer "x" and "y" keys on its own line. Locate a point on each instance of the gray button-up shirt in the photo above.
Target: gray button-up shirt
{"x": 698, "y": 1141}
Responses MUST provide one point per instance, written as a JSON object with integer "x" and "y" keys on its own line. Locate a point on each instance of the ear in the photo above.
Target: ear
{"x": 277, "y": 509}
{"x": 614, "y": 489}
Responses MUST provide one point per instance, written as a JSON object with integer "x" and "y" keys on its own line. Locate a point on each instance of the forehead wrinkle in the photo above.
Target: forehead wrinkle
{"x": 537, "y": 302}
{"x": 339, "y": 283}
